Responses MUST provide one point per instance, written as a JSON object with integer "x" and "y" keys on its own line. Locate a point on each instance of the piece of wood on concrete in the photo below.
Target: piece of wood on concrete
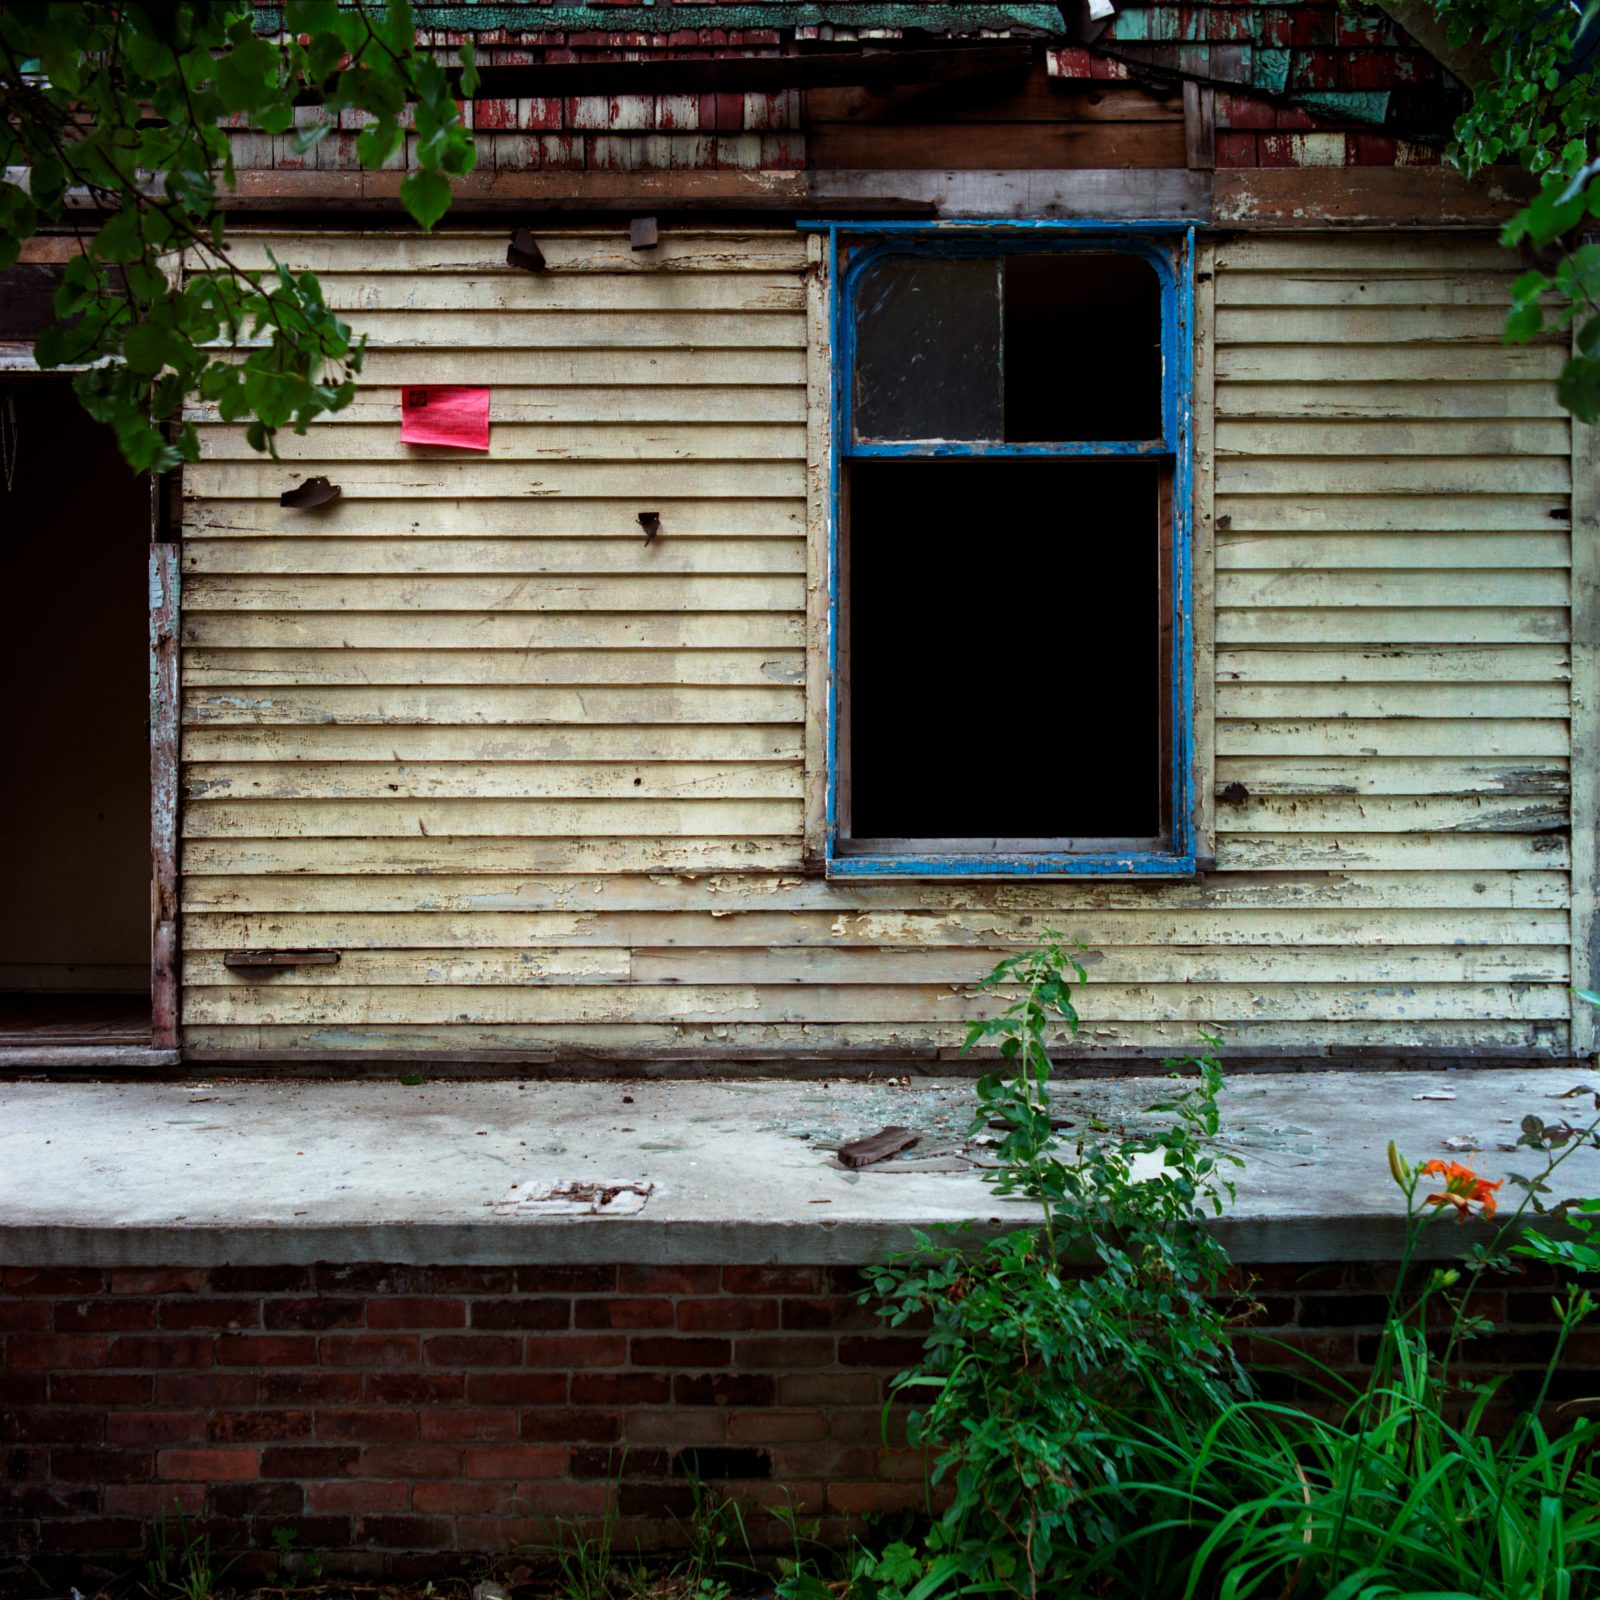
{"x": 877, "y": 1147}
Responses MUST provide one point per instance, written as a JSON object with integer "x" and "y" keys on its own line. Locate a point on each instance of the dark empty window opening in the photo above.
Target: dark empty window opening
{"x": 1008, "y": 627}
{"x": 1004, "y": 652}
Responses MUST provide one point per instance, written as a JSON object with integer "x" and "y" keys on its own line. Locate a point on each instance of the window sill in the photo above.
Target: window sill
{"x": 1131, "y": 864}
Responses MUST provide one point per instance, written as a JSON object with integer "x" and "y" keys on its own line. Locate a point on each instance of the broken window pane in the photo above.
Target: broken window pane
{"x": 1082, "y": 347}
{"x": 928, "y": 350}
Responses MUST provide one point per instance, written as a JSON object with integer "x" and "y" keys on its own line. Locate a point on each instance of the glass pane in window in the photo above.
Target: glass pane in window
{"x": 928, "y": 350}
{"x": 1005, "y": 674}
{"x": 1082, "y": 347}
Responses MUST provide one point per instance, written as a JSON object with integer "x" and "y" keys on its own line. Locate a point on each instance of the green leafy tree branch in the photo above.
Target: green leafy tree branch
{"x": 113, "y": 127}
{"x": 1540, "y": 106}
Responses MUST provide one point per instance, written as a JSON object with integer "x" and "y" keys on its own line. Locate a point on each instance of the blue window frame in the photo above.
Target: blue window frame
{"x": 864, "y": 487}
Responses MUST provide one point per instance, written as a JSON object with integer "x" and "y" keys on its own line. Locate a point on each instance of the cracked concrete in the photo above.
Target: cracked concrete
{"x": 204, "y": 1172}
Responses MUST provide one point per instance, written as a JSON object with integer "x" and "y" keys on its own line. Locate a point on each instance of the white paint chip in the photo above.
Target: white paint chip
{"x": 580, "y": 1197}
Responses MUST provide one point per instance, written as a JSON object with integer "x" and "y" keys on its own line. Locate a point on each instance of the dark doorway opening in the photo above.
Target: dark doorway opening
{"x": 75, "y": 809}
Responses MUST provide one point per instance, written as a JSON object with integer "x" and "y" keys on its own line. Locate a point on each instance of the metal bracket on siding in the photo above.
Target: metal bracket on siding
{"x": 309, "y": 495}
{"x": 524, "y": 251}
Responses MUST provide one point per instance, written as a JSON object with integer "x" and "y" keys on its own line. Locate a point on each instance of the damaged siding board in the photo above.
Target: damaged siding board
{"x": 545, "y": 788}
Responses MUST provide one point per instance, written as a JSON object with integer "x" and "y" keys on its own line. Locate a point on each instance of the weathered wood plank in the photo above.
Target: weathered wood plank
{"x": 744, "y": 965}
{"x": 678, "y": 630}
{"x": 692, "y": 1044}
{"x": 819, "y": 541}
{"x": 552, "y": 330}
{"x": 1308, "y": 286}
{"x": 511, "y": 593}
{"x": 439, "y": 1003}
{"x": 219, "y": 668}
{"x": 333, "y": 440}
{"x": 626, "y": 364}
{"x": 1398, "y": 400}
{"x": 1269, "y": 907}
{"x": 493, "y": 706}
{"x": 1369, "y": 775}
{"x": 491, "y": 818}
{"x": 537, "y": 517}
{"x": 599, "y": 250}
{"x": 1356, "y": 362}
{"x": 465, "y": 780}
{"x": 1387, "y": 813}
{"x": 1431, "y": 475}
{"x": 1396, "y": 736}
{"x": 444, "y": 475}
{"x": 695, "y": 1044}
{"x": 577, "y": 741}
{"x": 358, "y": 559}
{"x": 359, "y": 292}
{"x": 954, "y": 147}
{"x": 1383, "y": 511}
{"x": 1388, "y": 851}
{"x": 1404, "y": 589}
{"x": 1249, "y": 549}
{"x": 418, "y": 856}
{"x": 1362, "y": 256}
{"x": 1585, "y": 727}
{"x": 1393, "y": 437}
{"x": 1306, "y": 700}
{"x": 1310, "y": 326}
{"x": 1392, "y": 624}
{"x": 1124, "y": 939}
{"x": 1516, "y": 663}
{"x": 573, "y": 408}
{"x": 360, "y": 968}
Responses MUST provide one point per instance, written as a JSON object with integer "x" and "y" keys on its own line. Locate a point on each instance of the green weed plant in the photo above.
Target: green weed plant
{"x": 1091, "y": 1433}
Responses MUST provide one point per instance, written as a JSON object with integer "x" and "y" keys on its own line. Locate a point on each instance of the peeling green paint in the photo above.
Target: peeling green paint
{"x": 732, "y": 17}
{"x": 1359, "y": 105}
{"x": 1269, "y": 70}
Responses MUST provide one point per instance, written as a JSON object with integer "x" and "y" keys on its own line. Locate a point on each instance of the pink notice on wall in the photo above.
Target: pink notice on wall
{"x": 438, "y": 413}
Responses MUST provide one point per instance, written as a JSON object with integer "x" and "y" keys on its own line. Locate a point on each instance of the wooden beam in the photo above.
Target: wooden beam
{"x": 1365, "y": 197}
{"x": 1237, "y": 198}
{"x": 1200, "y": 125}
{"x": 1585, "y": 801}
{"x": 163, "y": 789}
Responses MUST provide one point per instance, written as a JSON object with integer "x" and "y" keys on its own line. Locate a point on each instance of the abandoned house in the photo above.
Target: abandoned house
{"x": 952, "y": 472}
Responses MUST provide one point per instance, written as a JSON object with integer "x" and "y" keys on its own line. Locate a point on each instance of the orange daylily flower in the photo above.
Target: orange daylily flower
{"x": 1463, "y": 1189}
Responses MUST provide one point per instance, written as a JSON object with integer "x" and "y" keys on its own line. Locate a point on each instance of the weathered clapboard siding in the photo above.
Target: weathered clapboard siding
{"x": 546, "y": 788}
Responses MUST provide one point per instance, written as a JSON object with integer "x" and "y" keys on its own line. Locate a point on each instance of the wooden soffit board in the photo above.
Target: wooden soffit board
{"x": 1290, "y": 197}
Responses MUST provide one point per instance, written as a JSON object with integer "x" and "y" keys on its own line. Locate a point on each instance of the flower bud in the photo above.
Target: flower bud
{"x": 1397, "y": 1167}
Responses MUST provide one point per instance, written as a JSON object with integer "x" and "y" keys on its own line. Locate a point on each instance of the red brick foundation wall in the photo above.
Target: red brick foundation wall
{"x": 396, "y": 1417}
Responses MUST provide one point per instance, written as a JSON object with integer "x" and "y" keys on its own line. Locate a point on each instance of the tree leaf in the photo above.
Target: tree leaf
{"x": 426, "y": 195}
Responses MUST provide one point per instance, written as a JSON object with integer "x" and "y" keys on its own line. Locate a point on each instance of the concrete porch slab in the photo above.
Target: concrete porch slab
{"x": 260, "y": 1172}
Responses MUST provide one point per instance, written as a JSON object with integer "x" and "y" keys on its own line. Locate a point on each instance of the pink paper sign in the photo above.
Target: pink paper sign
{"x": 438, "y": 413}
